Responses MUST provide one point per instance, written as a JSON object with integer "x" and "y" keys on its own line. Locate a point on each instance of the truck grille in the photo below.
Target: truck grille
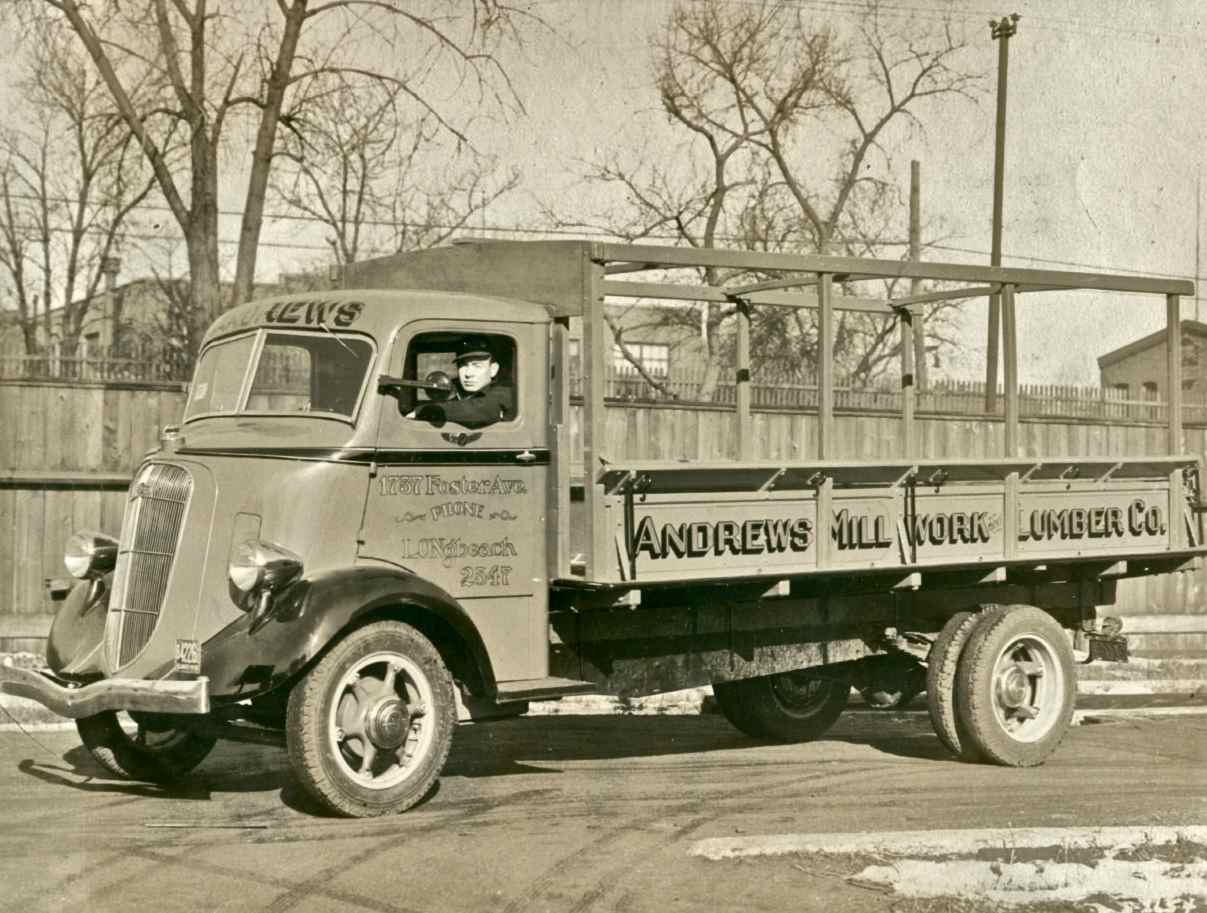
{"x": 150, "y": 533}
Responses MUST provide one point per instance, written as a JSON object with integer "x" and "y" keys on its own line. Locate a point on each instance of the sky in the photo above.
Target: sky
{"x": 1107, "y": 119}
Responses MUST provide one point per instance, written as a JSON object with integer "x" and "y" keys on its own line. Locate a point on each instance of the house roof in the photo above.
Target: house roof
{"x": 1192, "y": 327}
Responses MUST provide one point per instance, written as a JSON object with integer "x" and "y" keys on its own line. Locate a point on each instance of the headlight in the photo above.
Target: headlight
{"x": 90, "y": 554}
{"x": 263, "y": 566}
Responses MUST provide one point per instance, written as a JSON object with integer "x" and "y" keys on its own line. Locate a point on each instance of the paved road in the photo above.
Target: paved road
{"x": 558, "y": 814}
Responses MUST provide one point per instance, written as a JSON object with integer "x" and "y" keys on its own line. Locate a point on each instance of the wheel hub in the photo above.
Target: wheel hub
{"x": 387, "y": 722}
{"x": 1013, "y": 688}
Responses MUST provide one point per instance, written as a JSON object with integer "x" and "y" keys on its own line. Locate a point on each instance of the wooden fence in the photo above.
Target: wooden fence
{"x": 947, "y": 397}
{"x": 67, "y": 451}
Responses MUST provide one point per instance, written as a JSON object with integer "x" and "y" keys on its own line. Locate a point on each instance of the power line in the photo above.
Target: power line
{"x": 601, "y": 233}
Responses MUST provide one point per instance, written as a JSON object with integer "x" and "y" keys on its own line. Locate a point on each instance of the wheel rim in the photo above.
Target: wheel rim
{"x": 381, "y": 724}
{"x": 1028, "y": 687}
{"x": 801, "y": 695}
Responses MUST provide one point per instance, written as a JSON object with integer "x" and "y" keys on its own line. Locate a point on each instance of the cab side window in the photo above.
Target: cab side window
{"x": 467, "y": 379}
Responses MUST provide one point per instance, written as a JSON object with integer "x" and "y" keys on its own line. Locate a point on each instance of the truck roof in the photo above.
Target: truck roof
{"x": 376, "y": 312}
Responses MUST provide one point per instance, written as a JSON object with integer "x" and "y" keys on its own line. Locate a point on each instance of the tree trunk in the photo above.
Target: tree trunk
{"x": 205, "y": 288}
{"x": 257, "y": 184}
{"x": 29, "y": 332}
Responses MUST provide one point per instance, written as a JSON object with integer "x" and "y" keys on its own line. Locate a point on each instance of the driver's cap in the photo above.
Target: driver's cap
{"x": 471, "y": 347}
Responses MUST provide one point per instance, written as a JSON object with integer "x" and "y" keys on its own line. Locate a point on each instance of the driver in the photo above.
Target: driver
{"x": 477, "y": 400}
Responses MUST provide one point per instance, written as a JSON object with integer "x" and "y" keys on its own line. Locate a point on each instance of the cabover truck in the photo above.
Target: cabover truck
{"x": 321, "y": 557}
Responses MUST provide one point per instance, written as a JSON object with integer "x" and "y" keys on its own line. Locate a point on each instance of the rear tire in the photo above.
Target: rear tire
{"x": 941, "y": 666}
{"x": 156, "y": 754}
{"x": 370, "y": 726}
{"x": 1016, "y": 687}
{"x": 788, "y": 707}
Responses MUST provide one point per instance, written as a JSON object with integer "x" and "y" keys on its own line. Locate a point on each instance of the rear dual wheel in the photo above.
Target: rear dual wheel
{"x": 1001, "y": 685}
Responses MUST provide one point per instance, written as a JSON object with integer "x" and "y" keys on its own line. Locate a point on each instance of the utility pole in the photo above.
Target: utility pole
{"x": 1001, "y": 31}
{"x": 1199, "y": 221}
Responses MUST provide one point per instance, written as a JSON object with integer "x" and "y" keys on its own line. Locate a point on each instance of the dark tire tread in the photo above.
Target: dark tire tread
{"x": 940, "y": 682}
{"x": 752, "y": 706}
{"x": 113, "y": 748}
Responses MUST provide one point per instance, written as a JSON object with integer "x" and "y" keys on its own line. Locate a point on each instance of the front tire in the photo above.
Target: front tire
{"x": 1016, "y": 687}
{"x": 788, "y": 707}
{"x": 369, "y": 727}
{"x": 157, "y": 752}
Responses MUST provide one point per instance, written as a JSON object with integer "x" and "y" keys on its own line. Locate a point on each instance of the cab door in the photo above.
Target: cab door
{"x": 464, "y": 506}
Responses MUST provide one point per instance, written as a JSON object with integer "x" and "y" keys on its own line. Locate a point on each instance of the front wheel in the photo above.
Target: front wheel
{"x": 370, "y": 726}
{"x": 1015, "y": 687}
{"x": 150, "y": 748}
{"x": 788, "y": 707}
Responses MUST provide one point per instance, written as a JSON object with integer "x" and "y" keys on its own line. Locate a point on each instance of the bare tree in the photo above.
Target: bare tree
{"x": 785, "y": 123}
{"x": 250, "y": 65}
{"x": 378, "y": 182}
{"x": 69, "y": 179}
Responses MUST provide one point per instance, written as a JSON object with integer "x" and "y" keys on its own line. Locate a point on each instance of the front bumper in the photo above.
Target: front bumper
{"x": 108, "y": 694}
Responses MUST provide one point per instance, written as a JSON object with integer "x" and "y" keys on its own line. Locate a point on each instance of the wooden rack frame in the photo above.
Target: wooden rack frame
{"x": 574, "y": 278}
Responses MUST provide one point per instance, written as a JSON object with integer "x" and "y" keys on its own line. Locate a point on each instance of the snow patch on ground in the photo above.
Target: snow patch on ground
{"x": 1155, "y": 885}
{"x": 1115, "y": 869}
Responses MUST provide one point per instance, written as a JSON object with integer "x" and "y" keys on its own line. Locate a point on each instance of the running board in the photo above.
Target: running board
{"x": 543, "y": 689}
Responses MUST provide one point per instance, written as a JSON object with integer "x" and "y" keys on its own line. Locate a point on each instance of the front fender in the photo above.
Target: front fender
{"x": 77, "y": 634}
{"x": 312, "y": 612}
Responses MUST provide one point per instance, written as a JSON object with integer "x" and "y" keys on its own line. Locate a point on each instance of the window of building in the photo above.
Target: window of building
{"x": 1121, "y": 389}
{"x": 654, "y": 357}
{"x": 1150, "y": 389}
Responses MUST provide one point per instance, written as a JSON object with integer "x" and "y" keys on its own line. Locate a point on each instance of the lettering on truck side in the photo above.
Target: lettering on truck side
{"x": 725, "y": 537}
{"x": 874, "y": 531}
{"x": 1139, "y": 519}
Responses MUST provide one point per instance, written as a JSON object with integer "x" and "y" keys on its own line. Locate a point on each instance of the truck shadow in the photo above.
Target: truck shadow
{"x": 539, "y": 744}
{"x": 526, "y": 745}
{"x": 221, "y": 773}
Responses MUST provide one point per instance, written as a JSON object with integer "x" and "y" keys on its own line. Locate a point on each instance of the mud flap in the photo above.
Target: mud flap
{"x": 1110, "y": 648}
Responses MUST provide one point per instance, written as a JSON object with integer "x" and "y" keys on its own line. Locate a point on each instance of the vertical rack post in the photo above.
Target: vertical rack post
{"x": 742, "y": 383}
{"x": 907, "y": 379}
{"x": 594, "y": 419}
{"x": 825, "y": 366}
{"x": 559, "y": 447}
{"x": 1010, "y": 369}
{"x": 1173, "y": 357}
{"x": 915, "y": 284}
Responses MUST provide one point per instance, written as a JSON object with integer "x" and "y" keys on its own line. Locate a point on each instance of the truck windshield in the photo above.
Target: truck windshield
{"x": 293, "y": 372}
